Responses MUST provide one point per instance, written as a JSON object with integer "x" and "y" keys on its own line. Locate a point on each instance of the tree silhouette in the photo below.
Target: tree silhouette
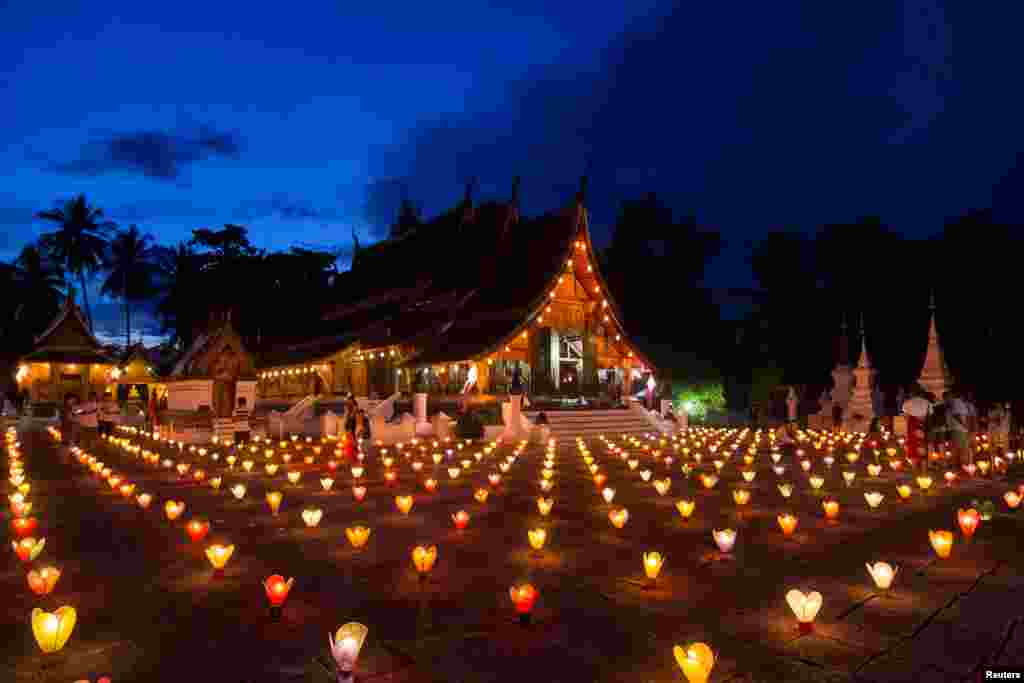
{"x": 129, "y": 267}
{"x": 79, "y": 242}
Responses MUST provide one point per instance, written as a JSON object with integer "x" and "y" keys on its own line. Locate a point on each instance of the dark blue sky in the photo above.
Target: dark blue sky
{"x": 295, "y": 118}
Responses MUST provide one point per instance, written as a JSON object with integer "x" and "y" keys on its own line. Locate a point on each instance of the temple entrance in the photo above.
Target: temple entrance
{"x": 570, "y": 362}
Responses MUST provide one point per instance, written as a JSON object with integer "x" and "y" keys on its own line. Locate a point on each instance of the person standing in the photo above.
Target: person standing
{"x": 108, "y": 409}
{"x": 916, "y": 409}
{"x": 958, "y": 421}
{"x": 88, "y": 420}
{"x": 363, "y": 433}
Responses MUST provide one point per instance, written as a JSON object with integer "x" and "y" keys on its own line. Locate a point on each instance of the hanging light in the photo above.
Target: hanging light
{"x": 404, "y": 504}
{"x": 218, "y": 555}
{"x": 359, "y": 492}
{"x": 544, "y": 505}
{"x": 653, "y": 562}
{"x": 173, "y": 509}
{"x": 618, "y": 517}
{"x": 523, "y": 597}
{"x": 461, "y": 519}
{"x": 787, "y": 523}
{"x": 968, "y": 520}
{"x": 686, "y": 508}
{"x": 28, "y": 548}
{"x": 537, "y": 537}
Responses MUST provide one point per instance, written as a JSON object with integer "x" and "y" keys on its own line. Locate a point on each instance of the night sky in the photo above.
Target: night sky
{"x": 301, "y": 121}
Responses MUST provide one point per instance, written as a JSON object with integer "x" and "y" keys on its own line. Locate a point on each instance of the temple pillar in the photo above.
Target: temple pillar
{"x": 588, "y": 378}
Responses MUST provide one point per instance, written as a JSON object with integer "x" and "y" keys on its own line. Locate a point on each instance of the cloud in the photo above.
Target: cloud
{"x": 158, "y": 155}
{"x": 284, "y": 207}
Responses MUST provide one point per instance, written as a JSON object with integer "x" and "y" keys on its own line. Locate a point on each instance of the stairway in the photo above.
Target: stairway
{"x": 566, "y": 425}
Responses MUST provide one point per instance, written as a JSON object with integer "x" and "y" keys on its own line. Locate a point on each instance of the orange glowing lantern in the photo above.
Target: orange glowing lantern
{"x": 696, "y": 660}
{"x": 42, "y": 582}
{"x": 390, "y": 476}
{"x": 904, "y": 491}
{"x": 831, "y": 509}
{"x": 430, "y": 485}
{"x": 197, "y": 530}
{"x": 686, "y": 508}
{"x": 461, "y": 519}
{"x": 174, "y": 509}
{"x": 544, "y": 505}
{"x": 787, "y": 523}
{"x": 404, "y": 504}
{"x": 741, "y": 496}
{"x": 423, "y": 559}
{"x": 537, "y": 538}
{"x": 494, "y": 478}
{"x": 274, "y": 501}
{"x": 874, "y": 470}
{"x": 1012, "y": 499}
{"x": 882, "y": 573}
{"x": 599, "y": 479}
{"x": 708, "y": 480}
{"x": 144, "y": 499}
{"x": 653, "y": 562}
{"x": 357, "y": 536}
{"x": 942, "y": 542}
{"x": 950, "y": 477}
{"x": 968, "y": 520}
{"x": 618, "y": 517}
{"x": 28, "y": 548}
{"x": 481, "y": 495}
{"x": 359, "y": 492}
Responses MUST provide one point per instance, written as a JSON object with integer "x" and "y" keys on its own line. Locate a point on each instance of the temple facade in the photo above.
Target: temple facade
{"x": 523, "y": 296}
{"x": 66, "y": 359}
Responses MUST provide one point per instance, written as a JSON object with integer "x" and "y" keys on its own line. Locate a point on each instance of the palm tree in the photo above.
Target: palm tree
{"x": 79, "y": 242}
{"x": 36, "y": 285}
{"x": 129, "y": 268}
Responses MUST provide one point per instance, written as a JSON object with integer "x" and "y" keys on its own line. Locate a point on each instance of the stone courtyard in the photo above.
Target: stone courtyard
{"x": 150, "y": 607}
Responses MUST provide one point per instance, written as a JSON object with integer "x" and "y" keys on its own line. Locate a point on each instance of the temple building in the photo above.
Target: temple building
{"x": 478, "y": 292}
{"x": 135, "y": 377}
{"x": 66, "y": 359}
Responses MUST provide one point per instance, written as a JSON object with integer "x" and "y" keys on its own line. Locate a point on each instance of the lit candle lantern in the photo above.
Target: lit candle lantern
{"x": 346, "y": 644}
{"x": 312, "y": 516}
{"x": 404, "y": 504}
{"x": 741, "y": 496}
{"x": 215, "y": 483}
{"x": 197, "y": 530}
{"x": 662, "y": 486}
{"x": 686, "y": 508}
{"x": 787, "y": 523}
{"x": 537, "y": 538}
{"x": 600, "y": 479}
{"x": 904, "y": 491}
{"x": 277, "y": 590}
{"x": 274, "y": 501}
{"x": 326, "y": 483}
{"x": 42, "y": 582}
{"x": 24, "y": 526}
{"x": 423, "y": 558}
{"x": 968, "y": 520}
{"x": 1012, "y": 499}
{"x": 696, "y": 660}
{"x": 709, "y": 481}
{"x": 983, "y": 466}
{"x": 942, "y": 542}
{"x": 481, "y": 495}
{"x": 53, "y": 629}
{"x": 874, "y": 470}
{"x": 874, "y": 498}
{"x": 546, "y": 484}
{"x": 294, "y": 476}
{"x": 437, "y": 458}
{"x": 618, "y": 517}
{"x": 218, "y": 555}
{"x": 390, "y": 476}
{"x": 173, "y": 509}
{"x": 593, "y": 468}
{"x": 786, "y": 490}
{"x": 430, "y": 485}
{"x": 724, "y": 539}
{"x": 924, "y": 482}
{"x": 199, "y": 475}
{"x": 357, "y": 535}
{"x": 28, "y": 548}
{"x": 831, "y": 508}
{"x": 652, "y": 564}
{"x": 523, "y": 597}
{"x": 805, "y": 607}
{"x": 461, "y": 519}
{"x": 453, "y": 472}
{"x": 882, "y": 573}
{"x": 144, "y": 499}
{"x": 816, "y": 482}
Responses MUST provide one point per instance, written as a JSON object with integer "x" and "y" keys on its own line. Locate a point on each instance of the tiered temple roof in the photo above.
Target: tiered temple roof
{"x": 67, "y": 340}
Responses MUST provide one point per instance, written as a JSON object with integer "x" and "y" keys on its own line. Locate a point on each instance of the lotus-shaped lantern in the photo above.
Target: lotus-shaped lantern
{"x": 805, "y": 607}
{"x": 312, "y": 516}
{"x": 41, "y": 582}
{"x": 274, "y": 501}
{"x": 618, "y": 517}
{"x": 52, "y": 629}
{"x": 696, "y": 660}
{"x": 942, "y": 542}
{"x": 423, "y": 558}
{"x": 724, "y": 539}
{"x": 346, "y": 644}
{"x": 197, "y": 530}
{"x": 882, "y": 573}
{"x": 28, "y": 548}
{"x": 218, "y": 555}
{"x": 173, "y": 509}
{"x": 357, "y": 536}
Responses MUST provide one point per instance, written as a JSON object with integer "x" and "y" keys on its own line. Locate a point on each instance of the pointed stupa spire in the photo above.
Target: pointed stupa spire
{"x": 843, "y": 352}
{"x": 468, "y": 213}
{"x": 933, "y": 332}
{"x": 864, "y": 361}
{"x": 935, "y": 375}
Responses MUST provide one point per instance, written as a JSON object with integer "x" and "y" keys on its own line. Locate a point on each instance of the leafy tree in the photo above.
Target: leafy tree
{"x": 697, "y": 399}
{"x": 129, "y": 269}
{"x": 179, "y": 281}
{"x": 79, "y": 242}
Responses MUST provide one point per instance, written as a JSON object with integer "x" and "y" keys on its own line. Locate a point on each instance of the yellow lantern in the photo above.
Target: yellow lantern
{"x": 537, "y": 538}
{"x": 924, "y": 482}
{"x": 1012, "y": 499}
{"x": 238, "y": 491}
{"x": 174, "y": 509}
{"x": 312, "y": 516}
{"x": 274, "y": 501}
{"x": 294, "y": 476}
{"x": 215, "y": 483}
{"x": 874, "y": 470}
{"x": 544, "y": 505}
{"x": 424, "y": 558}
{"x": 453, "y": 472}
{"x": 805, "y": 607}
{"x": 942, "y": 542}
{"x": 404, "y": 504}
{"x": 546, "y": 485}
{"x": 662, "y": 486}
{"x": 52, "y": 629}
{"x": 218, "y": 555}
{"x": 874, "y": 498}
{"x": 741, "y": 496}
{"x": 748, "y": 475}
{"x": 686, "y": 508}
{"x": 619, "y": 517}
{"x": 816, "y": 482}
{"x": 882, "y": 573}
{"x": 904, "y": 491}
{"x": 696, "y": 660}
{"x": 357, "y": 535}
{"x": 709, "y": 481}
{"x": 652, "y": 564}
{"x": 786, "y": 490}
{"x": 831, "y": 508}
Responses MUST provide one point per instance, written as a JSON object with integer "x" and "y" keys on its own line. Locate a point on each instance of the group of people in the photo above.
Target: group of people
{"x": 83, "y": 421}
{"x": 358, "y": 434}
{"x": 953, "y": 420}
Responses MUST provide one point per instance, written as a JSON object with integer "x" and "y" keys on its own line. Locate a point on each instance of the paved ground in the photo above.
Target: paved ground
{"x": 150, "y": 610}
